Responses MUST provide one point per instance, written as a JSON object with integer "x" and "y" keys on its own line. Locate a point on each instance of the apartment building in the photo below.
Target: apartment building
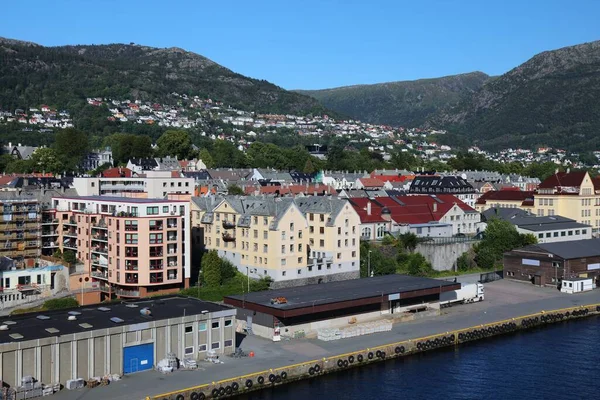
{"x": 573, "y": 195}
{"x": 293, "y": 241}
{"x": 506, "y": 198}
{"x": 154, "y": 184}
{"x": 130, "y": 247}
{"x": 20, "y": 229}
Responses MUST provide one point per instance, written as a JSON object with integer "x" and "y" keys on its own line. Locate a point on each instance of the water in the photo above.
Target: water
{"x": 561, "y": 361}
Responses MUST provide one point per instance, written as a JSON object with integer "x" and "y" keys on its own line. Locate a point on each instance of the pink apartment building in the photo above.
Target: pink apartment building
{"x": 129, "y": 247}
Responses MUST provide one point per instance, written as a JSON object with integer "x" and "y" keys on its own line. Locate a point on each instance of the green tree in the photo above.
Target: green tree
{"x": 417, "y": 265}
{"x": 211, "y": 268}
{"x": 45, "y": 159}
{"x": 69, "y": 257}
{"x": 206, "y": 158}
{"x": 308, "y": 167}
{"x": 175, "y": 143}
{"x": 71, "y": 146}
{"x": 5, "y": 161}
{"x": 234, "y": 189}
{"x": 126, "y": 146}
{"x": 226, "y": 154}
{"x": 499, "y": 237}
{"x": 19, "y": 167}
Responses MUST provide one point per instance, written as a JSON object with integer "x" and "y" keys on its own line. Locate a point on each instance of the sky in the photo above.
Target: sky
{"x": 315, "y": 44}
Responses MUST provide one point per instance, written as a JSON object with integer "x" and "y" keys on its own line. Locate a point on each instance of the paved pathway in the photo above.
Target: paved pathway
{"x": 504, "y": 299}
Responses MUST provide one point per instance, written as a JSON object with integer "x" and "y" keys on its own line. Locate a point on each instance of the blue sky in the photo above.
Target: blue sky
{"x": 312, "y": 44}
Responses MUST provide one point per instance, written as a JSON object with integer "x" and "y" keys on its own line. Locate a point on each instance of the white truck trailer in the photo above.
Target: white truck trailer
{"x": 468, "y": 293}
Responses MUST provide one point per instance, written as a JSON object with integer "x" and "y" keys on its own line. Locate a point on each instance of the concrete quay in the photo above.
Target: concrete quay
{"x": 505, "y": 300}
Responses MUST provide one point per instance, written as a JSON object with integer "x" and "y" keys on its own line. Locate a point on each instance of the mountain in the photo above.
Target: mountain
{"x": 404, "y": 103}
{"x": 64, "y": 76}
{"x": 553, "y": 99}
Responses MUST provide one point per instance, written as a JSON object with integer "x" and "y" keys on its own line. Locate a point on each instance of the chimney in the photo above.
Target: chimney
{"x": 568, "y": 170}
{"x": 369, "y": 208}
{"x": 435, "y": 206}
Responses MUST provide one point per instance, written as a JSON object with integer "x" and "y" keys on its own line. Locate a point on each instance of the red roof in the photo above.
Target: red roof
{"x": 419, "y": 209}
{"x": 568, "y": 179}
{"x": 505, "y": 195}
{"x": 371, "y": 182}
{"x": 117, "y": 172}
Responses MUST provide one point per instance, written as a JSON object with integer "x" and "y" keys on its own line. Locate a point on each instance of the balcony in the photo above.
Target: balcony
{"x": 157, "y": 227}
{"x": 131, "y": 280}
{"x": 71, "y": 221}
{"x": 228, "y": 238}
{"x": 100, "y": 262}
{"x": 104, "y": 288}
{"x": 156, "y": 267}
{"x": 49, "y": 245}
{"x": 100, "y": 225}
{"x": 156, "y": 278}
{"x": 127, "y": 293}
{"x": 70, "y": 233}
{"x": 100, "y": 238}
{"x": 100, "y": 250}
{"x": 131, "y": 254}
{"x": 228, "y": 225}
{"x": 70, "y": 244}
{"x": 99, "y": 275}
{"x": 52, "y": 232}
{"x": 49, "y": 221}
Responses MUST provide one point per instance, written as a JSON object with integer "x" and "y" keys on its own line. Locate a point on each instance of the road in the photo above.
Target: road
{"x": 504, "y": 299}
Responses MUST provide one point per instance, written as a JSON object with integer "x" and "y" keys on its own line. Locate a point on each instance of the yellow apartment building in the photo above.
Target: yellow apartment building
{"x": 293, "y": 241}
{"x": 572, "y": 195}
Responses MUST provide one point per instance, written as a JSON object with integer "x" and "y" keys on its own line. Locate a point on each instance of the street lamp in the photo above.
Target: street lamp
{"x": 369, "y": 264}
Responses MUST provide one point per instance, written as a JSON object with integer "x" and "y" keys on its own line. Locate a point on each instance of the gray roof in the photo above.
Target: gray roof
{"x": 42, "y": 196}
{"x": 567, "y": 250}
{"x": 275, "y": 175}
{"x": 531, "y": 222}
{"x": 167, "y": 164}
{"x": 237, "y": 174}
{"x": 98, "y": 317}
{"x": 339, "y": 291}
{"x": 321, "y": 205}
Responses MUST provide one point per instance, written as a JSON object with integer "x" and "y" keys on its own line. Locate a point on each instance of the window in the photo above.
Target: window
{"x": 354, "y": 254}
{"x": 299, "y": 234}
{"x": 282, "y": 235}
{"x": 152, "y": 210}
{"x": 322, "y": 230}
{"x": 555, "y": 234}
{"x": 300, "y": 247}
{"x": 165, "y": 209}
{"x": 189, "y": 329}
{"x": 577, "y": 231}
{"x": 563, "y": 233}
{"x": 548, "y": 234}
{"x": 339, "y": 231}
{"x": 255, "y": 234}
{"x": 189, "y": 350}
{"x": 282, "y": 249}
{"x": 131, "y": 225}
{"x": 292, "y": 226}
{"x": 291, "y": 248}
{"x": 131, "y": 238}
{"x": 299, "y": 261}
{"x": 584, "y": 231}
{"x": 201, "y": 347}
{"x": 322, "y": 243}
{"x": 215, "y": 325}
{"x": 283, "y": 273}
{"x": 265, "y": 248}
{"x": 283, "y": 262}
{"x": 215, "y": 345}
{"x": 156, "y": 238}
{"x": 540, "y": 236}
{"x": 227, "y": 322}
{"x": 339, "y": 243}
{"x": 265, "y": 234}
{"x": 265, "y": 221}
{"x": 570, "y": 233}
{"x": 228, "y": 343}
{"x": 339, "y": 255}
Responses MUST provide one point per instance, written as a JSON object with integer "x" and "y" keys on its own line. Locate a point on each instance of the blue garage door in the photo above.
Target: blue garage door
{"x": 138, "y": 358}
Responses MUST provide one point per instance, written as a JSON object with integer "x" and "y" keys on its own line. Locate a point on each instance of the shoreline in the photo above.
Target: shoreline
{"x": 231, "y": 387}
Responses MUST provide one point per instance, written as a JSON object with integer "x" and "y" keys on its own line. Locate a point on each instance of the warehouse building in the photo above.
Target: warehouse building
{"x": 549, "y": 263}
{"x": 120, "y": 338}
{"x": 306, "y": 309}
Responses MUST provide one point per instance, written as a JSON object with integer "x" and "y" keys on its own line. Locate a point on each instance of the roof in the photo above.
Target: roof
{"x": 563, "y": 179}
{"x": 433, "y": 184}
{"x": 371, "y": 182}
{"x": 505, "y": 195}
{"x": 117, "y": 172}
{"x": 566, "y": 250}
{"x": 414, "y": 209}
{"x": 303, "y": 300}
{"x": 138, "y": 200}
{"x": 164, "y": 307}
{"x": 504, "y": 213}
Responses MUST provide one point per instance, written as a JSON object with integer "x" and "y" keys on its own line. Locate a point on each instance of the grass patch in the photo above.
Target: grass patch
{"x": 49, "y": 305}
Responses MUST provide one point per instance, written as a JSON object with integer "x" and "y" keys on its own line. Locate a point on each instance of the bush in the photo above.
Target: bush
{"x": 69, "y": 257}
{"x": 58, "y": 304}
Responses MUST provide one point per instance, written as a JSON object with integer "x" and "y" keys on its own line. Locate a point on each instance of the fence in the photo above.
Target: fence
{"x": 447, "y": 240}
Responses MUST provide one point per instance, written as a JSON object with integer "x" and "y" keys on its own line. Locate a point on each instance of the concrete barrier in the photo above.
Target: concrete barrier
{"x": 310, "y": 369}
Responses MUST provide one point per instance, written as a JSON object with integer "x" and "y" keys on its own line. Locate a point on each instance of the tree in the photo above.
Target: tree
{"x": 206, "y": 158}
{"x": 499, "y": 237}
{"x": 408, "y": 241}
{"x": 211, "y": 268}
{"x": 126, "y": 146}
{"x": 69, "y": 257}
{"x": 5, "y": 161}
{"x": 417, "y": 265}
{"x": 45, "y": 159}
{"x": 175, "y": 144}
{"x": 308, "y": 167}
{"x": 235, "y": 190}
{"x": 226, "y": 154}
{"x": 71, "y": 146}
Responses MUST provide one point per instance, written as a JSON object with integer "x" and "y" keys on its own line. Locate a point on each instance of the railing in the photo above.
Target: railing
{"x": 50, "y": 233}
{"x": 131, "y": 268}
{"x": 100, "y": 250}
{"x": 131, "y": 255}
{"x": 71, "y": 221}
{"x": 70, "y": 233}
{"x": 228, "y": 238}
{"x": 50, "y": 221}
{"x": 131, "y": 228}
{"x": 228, "y": 225}
{"x": 156, "y": 267}
{"x": 100, "y": 238}
{"x": 100, "y": 225}
{"x": 127, "y": 293}
{"x": 99, "y": 275}
{"x": 156, "y": 280}
{"x": 172, "y": 238}
{"x": 156, "y": 254}
{"x": 131, "y": 281}
{"x": 156, "y": 227}
{"x": 49, "y": 245}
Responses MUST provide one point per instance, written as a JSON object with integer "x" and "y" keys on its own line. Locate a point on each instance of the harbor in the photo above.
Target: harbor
{"x": 505, "y": 300}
